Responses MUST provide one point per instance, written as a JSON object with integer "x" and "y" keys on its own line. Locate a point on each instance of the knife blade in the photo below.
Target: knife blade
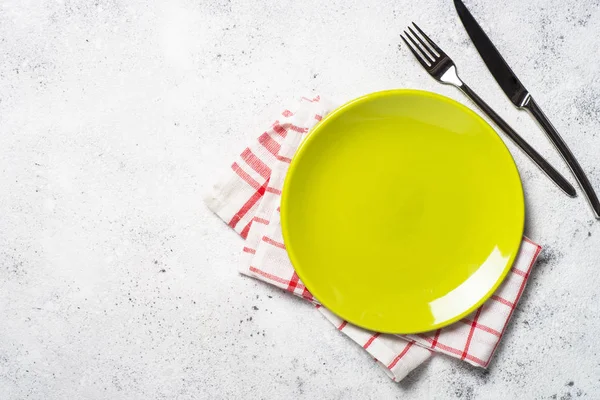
{"x": 520, "y": 97}
{"x": 506, "y": 78}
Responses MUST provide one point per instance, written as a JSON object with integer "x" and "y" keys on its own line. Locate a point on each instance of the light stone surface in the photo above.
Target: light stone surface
{"x": 116, "y": 282}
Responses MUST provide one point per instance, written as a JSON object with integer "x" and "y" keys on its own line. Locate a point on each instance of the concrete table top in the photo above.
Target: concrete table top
{"x": 116, "y": 282}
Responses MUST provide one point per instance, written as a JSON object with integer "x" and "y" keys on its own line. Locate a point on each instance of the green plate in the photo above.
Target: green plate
{"x": 402, "y": 211}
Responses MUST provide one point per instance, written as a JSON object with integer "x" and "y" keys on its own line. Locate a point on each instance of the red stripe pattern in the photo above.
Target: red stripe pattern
{"x": 256, "y": 163}
{"x": 371, "y": 339}
{"x": 470, "y": 337}
{"x": 503, "y": 301}
{"x": 399, "y": 356}
{"x": 269, "y": 143}
{"x": 248, "y": 250}
{"x": 276, "y": 244}
{"x": 247, "y": 206}
{"x": 481, "y": 326}
{"x": 274, "y": 190}
{"x": 245, "y": 176}
{"x": 286, "y": 160}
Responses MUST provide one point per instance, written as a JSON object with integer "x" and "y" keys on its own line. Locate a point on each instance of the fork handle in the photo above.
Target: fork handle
{"x": 531, "y": 106}
{"x": 548, "y": 169}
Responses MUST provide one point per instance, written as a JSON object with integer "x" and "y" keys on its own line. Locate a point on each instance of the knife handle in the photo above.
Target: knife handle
{"x": 548, "y": 169}
{"x": 558, "y": 142}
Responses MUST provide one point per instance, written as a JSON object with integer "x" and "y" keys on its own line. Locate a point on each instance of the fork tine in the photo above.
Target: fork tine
{"x": 425, "y": 51}
{"x": 425, "y": 46}
{"x": 417, "y": 55}
{"x": 440, "y": 52}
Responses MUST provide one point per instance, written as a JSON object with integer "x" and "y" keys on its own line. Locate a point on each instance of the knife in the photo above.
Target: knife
{"x": 516, "y": 92}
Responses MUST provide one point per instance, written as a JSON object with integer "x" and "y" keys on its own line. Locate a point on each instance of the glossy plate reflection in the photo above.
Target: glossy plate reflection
{"x": 402, "y": 211}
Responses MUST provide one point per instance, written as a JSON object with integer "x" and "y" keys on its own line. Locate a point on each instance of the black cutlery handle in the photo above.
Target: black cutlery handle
{"x": 558, "y": 142}
{"x": 548, "y": 169}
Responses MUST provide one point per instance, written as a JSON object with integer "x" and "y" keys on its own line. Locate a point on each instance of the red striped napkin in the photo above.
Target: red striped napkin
{"x": 247, "y": 199}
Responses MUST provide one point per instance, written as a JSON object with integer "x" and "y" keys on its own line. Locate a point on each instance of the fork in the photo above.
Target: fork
{"x": 442, "y": 68}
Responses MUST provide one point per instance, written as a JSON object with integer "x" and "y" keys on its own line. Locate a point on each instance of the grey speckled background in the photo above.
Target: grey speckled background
{"x": 117, "y": 283}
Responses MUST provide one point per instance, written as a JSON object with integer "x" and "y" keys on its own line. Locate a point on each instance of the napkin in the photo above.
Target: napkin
{"x": 247, "y": 198}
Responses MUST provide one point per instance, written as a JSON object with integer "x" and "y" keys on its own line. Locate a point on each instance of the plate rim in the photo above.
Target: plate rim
{"x": 371, "y": 96}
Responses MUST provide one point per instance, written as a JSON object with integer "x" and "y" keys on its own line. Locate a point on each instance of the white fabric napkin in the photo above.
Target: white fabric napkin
{"x": 247, "y": 198}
